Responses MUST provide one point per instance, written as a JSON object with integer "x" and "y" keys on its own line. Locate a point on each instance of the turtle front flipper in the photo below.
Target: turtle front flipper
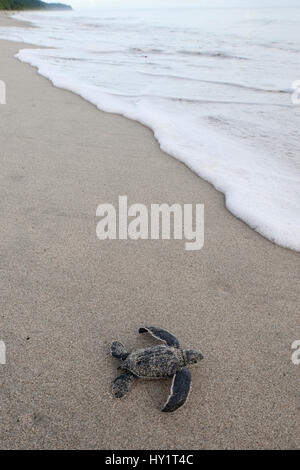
{"x": 122, "y": 384}
{"x": 118, "y": 350}
{"x": 179, "y": 391}
{"x": 162, "y": 335}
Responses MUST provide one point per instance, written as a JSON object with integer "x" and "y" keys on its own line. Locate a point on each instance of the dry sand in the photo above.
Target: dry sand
{"x": 66, "y": 295}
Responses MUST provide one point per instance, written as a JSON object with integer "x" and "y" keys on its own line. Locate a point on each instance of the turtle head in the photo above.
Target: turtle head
{"x": 192, "y": 357}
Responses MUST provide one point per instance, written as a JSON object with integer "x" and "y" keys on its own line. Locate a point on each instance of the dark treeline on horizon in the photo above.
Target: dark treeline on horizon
{"x": 31, "y": 5}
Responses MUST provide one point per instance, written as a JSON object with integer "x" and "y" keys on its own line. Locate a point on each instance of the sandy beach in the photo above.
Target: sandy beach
{"x": 65, "y": 295}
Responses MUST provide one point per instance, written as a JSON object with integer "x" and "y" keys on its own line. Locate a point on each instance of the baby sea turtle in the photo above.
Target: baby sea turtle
{"x": 159, "y": 362}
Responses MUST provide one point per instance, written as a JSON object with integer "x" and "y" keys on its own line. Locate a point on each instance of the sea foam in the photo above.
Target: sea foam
{"x": 213, "y": 85}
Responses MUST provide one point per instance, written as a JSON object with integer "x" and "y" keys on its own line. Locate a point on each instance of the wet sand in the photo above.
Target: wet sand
{"x": 65, "y": 295}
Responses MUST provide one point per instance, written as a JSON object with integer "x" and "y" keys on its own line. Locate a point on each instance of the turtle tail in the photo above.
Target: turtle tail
{"x": 118, "y": 350}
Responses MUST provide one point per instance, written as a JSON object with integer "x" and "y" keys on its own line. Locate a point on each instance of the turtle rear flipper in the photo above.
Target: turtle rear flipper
{"x": 118, "y": 350}
{"x": 179, "y": 391}
{"x": 122, "y": 384}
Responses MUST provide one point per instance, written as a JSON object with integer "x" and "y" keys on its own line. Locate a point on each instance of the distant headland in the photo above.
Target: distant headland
{"x": 31, "y": 5}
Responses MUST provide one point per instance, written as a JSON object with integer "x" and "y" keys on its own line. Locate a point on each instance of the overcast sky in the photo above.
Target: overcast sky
{"x": 183, "y": 3}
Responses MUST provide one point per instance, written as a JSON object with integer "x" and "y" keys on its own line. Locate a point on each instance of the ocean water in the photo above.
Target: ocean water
{"x": 215, "y": 86}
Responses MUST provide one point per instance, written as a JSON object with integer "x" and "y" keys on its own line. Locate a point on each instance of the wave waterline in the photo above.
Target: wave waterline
{"x": 222, "y": 107}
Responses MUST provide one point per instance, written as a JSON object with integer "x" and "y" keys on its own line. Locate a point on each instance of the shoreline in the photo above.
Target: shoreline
{"x": 66, "y": 295}
{"x": 7, "y": 20}
{"x": 231, "y": 201}
{"x": 260, "y": 222}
